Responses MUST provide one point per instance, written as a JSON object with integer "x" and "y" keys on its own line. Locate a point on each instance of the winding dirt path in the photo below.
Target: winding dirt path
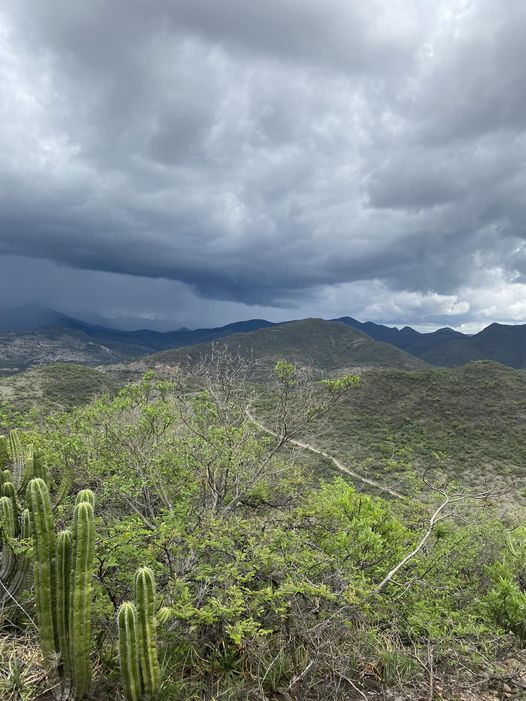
{"x": 339, "y": 465}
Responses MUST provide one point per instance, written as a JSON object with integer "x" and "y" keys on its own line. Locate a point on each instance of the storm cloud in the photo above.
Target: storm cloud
{"x": 286, "y": 157}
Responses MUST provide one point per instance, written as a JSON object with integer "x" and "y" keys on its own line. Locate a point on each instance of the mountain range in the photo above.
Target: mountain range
{"x": 316, "y": 343}
{"x": 33, "y": 335}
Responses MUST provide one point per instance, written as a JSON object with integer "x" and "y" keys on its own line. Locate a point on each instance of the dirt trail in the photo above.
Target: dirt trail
{"x": 340, "y": 466}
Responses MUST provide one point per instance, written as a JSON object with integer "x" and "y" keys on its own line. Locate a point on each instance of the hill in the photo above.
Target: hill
{"x": 32, "y": 335}
{"x": 468, "y": 422}
{"x": 21, "y": 350}
{"x": 74, "y": 341}
{"x": 325, "y": 345}
{"x": 406, "y": 338}
{"x": 54, "y": 387}
{"x": 446, "y": 347}
{"x": 499, "y": 342}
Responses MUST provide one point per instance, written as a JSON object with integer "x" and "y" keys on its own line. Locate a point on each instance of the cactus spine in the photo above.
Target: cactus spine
{"x": 138, "y": 641}
{"x": 129, "y": 651}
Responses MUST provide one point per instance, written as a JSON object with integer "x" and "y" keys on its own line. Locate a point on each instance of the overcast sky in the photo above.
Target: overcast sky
{"x": 206, "y": 161}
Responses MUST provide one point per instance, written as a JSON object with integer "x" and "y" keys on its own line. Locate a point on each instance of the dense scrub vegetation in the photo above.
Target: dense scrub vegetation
{"x": 466, "y": 422}
{"x": 247, "y": 576}
{"x": 53, "y": 387}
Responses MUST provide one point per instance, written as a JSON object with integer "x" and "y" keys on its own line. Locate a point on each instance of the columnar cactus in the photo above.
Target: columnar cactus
{"x": 80, "y": 596}
{"x": 43, "y": 532}
{"x": 8, "y": 490}
{"x": 19, "y": 464}
{"x": 14, "y": 566}
{"x": 18, "y": 458}
{"x": 63, "y": 581}
{"x": 4, "y": 454}
{"x": 9, "y": 527}
{"x": 145, "y": 602}
{"x": 87, "y": 496}
{"x": 129, "y": 651}
{"x": 137, "y": 641}
{"x": 63, "y": 572}
{"x": 40, "y": 469}
{"x": 19, "y": 576}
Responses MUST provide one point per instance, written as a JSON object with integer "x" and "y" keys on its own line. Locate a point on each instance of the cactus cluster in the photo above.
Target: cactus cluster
{"x": 138, "y": 642}
{"x": 63, "y": 569}
{"x": 17, "y": 466}
{"x": 18, "y": 463}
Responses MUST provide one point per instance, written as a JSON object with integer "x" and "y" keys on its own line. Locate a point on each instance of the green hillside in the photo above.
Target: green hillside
{"x": 499, "y": 342}
{"x": 316, "y": 343}
{"x": 26, "y": 349}
{"x": 54, "y": 387}
{"x": 467, "y": 422}
{"x": 215, "y": 538}
{"x": 454, "y": 353}
{"x": 72, "y": 341}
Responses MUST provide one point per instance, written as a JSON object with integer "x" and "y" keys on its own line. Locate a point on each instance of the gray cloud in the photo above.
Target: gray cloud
{"x": 268, "y": 154}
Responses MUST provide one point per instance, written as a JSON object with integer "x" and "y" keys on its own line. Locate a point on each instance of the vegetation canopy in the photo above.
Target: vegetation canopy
{"x": 177, "y": 545}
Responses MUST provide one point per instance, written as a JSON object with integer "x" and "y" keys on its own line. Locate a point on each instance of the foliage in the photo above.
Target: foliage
{"x": 266, "y": 577}
{"x": 463, "y": 423}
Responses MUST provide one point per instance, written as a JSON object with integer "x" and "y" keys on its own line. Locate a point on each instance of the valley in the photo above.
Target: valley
{"x": 406, "y": 417}
{"x": 44, "y": 336}
{"x": 284, "y": 462}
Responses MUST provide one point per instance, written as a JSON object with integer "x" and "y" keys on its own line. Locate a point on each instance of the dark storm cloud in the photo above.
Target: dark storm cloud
{"x": 268, "y": 153}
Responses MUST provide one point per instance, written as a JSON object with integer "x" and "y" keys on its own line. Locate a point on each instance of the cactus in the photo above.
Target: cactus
{"x": 18, "y": 460}
{"x": 63, "y": 587}
{"x": 129, "y": 651}
{"x": 145, "y": 602}
{"x": 28, "y": 470}
{"x": 4, "y": 453}
{"x": 39, "y": 469}
{"x": 141, "y": 675}
{"x": 8, "y": 490}
{"x": 80, "y": 596}
{"x": 15, "y": 563}
{"x": 14, "y": 567}
{"x": 43, "y": 532}
{"x": 63, "y": 580}
{"x": 86, "y": 495}
{"x": 9, "y": 527}
{"x": 19, "y": 464}
{"x": 14, "y": 580}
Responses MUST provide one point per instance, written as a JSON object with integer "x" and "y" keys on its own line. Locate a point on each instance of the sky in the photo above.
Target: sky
{"x": 200, "y": 162}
